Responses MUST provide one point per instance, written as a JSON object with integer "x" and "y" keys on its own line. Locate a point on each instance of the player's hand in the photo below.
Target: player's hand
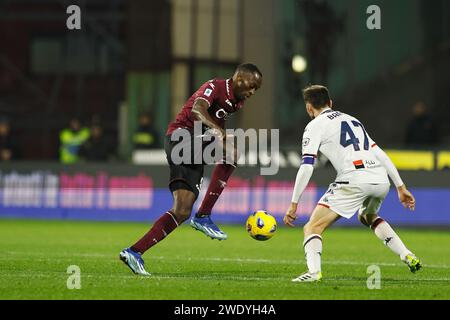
{"x": 290, "y": 215}
{"x": 231, "y": 154}
{"x": 219, "y": 133}
{"x": 406, "y": 198}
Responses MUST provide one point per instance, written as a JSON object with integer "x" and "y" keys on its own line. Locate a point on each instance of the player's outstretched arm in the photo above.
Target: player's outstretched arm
{"x": 406, "y": 198}
{"x": 301, "y": 181}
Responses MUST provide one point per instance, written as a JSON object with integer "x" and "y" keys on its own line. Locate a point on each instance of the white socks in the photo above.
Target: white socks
{"x": 313, "y": 245}
{"x": 385, "y": 233}
{"x": 313, "y": 252}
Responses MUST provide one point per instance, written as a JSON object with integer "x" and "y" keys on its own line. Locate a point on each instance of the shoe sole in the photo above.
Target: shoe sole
{"x": 194, "y": 225}
{"x": 319, "y": 280}
{"x": 125, "y": 260}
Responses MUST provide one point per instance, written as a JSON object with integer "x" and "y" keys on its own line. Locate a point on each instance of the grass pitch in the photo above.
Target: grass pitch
{"x": 187, "y": 265}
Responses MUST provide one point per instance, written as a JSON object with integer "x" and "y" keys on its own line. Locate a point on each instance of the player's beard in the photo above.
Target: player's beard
{"x": 240, "y": 98}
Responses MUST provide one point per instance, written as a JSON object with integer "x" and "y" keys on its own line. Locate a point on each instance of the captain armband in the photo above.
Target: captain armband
{"x": 309, "y": 159}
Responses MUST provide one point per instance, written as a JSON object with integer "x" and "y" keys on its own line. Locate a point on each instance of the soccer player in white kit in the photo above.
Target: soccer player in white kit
{"x": 361, "y": 183}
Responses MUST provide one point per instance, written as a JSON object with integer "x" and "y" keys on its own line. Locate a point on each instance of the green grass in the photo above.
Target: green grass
{"x": 187, "y": 265}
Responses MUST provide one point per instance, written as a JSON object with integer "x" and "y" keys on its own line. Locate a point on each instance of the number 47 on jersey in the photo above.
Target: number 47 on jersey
{"x": 348, "y": 136}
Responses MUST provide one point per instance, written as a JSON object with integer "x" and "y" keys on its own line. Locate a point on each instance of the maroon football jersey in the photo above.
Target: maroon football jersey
{"x": 219, "y": 95}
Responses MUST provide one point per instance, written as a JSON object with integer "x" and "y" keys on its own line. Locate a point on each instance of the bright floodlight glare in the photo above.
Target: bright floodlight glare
{"x": 299, "y": 63}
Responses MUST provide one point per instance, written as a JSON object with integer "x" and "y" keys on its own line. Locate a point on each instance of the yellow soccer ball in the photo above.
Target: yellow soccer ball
{"x": 261, "y": 225}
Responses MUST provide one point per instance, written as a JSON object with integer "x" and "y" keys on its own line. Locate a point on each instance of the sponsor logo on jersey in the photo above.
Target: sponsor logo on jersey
{"x": 305, "y": 142}
{"x": 358, "y": 164}
{"x": 221, "y": 113}
{"x": 370, "y": 163}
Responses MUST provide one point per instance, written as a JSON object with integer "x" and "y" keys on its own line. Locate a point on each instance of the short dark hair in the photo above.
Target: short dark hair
{"x": 317, "y": 96}
{"x": 248, "y": 67}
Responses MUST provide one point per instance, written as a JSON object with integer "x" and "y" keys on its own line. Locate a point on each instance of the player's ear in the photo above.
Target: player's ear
{"x": 331, "y": 104}
{"x": 239, "y": 80}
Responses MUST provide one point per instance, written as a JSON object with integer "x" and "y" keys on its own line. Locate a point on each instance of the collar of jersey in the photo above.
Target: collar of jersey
{"x": 326, "y": 110}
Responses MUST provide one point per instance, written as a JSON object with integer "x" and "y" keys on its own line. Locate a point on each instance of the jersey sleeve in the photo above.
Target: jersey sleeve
{"x": 310, "y": 144}
{"x": 388, "y": 165}
{"x": 208, "y": 92}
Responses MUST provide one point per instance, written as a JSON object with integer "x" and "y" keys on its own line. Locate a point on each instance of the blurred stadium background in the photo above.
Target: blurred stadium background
{"x": 146, "y": 57}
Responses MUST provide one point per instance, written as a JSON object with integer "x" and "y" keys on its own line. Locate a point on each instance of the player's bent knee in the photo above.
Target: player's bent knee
{"x": 363, "y": 220}
{"x": 370, "y": 219}
{"x": 182, "y": 214}
{"x": 306, "y": 229}
{"x": 182, "y": 208}
{"x": 310, "y": 228}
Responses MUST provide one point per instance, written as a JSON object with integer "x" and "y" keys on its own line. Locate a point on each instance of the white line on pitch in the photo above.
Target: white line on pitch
{"x": 71, "y": 256}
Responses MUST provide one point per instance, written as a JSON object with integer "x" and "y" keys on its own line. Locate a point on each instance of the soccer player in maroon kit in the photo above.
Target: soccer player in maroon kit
{"x": 211, "y": 105}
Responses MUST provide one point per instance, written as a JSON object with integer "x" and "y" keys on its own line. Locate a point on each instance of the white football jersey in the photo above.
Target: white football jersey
{"x": 344, "y": 141}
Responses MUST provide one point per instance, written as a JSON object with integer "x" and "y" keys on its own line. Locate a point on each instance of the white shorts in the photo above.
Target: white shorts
{"x": 347, "y": 199}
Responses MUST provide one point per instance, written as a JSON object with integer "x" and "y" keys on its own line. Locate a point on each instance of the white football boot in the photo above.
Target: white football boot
{"x": 309, "y": 277}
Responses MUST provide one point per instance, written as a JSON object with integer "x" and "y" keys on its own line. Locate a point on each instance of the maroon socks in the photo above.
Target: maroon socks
{"x": 219, "y": 179}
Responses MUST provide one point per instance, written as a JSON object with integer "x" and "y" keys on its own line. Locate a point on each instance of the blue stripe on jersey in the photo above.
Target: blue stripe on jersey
{"x": 308, "y": 160}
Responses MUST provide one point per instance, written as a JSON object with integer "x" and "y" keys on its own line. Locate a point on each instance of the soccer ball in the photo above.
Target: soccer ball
{"x": 261, "y": 225}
